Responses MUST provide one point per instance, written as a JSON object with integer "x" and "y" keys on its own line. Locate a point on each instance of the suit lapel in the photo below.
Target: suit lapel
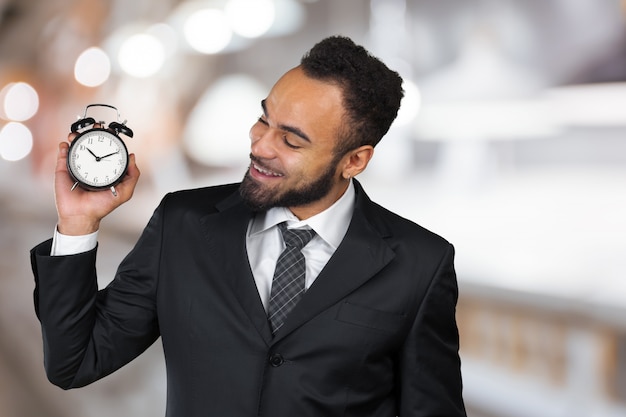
{"x": 361, "y": 255}
{"x": 230, "y": 226}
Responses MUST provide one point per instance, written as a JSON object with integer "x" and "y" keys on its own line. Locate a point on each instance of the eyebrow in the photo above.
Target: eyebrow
{"x": 291, "y": 129}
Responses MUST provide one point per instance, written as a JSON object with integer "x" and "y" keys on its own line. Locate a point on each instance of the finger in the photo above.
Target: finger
{"x": 126, "y": 187}
{"x": 133, "y": 173}
{"x": 133, "y": 169}
{"x": 62, "y": 156}
{"x": 62, "y": 177}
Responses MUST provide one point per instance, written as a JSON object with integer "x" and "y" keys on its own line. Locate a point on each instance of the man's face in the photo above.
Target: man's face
{"x": 292, "y": 160}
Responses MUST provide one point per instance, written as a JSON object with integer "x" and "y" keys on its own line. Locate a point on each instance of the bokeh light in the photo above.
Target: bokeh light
{"x": 289, "y": 17}
{"x": 217, "y": 131}
{"x": 141, "y": 55}
{"x": 18, "y": 102}
{"x": 207, "y": 31}
{"x": 166, "y": 36}
{"x": 250, "y": 18}
{"x": 93, "y": 67}
{"x": 16, "y": 141}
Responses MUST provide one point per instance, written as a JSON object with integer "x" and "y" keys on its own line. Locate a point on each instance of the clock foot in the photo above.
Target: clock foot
{"x": 113, "y": 191}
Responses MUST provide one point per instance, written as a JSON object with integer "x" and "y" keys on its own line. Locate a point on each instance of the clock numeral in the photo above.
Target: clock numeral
{"x": 95, "y": 180}
{"x": 100, "y": 139}
{"x": 90, "y": 141}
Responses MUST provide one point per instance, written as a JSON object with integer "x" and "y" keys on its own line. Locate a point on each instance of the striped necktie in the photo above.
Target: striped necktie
{"x": 289, "y": 275}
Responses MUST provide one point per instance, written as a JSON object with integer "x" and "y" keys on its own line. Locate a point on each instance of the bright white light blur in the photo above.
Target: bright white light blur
{"x": 16, "y": 141}
{"x": 589, "y": 105}
{"x": 166, "y": 35}
{"x": 207, "y": 31}
{"x": 217, "y": 132}
{"x": 141, "y": 55}
{"x": 93, "y": 67}
{"x": 250, "y": 18}
{"x": 289, "y": 16}
{"x": 18, "y": 102}
{"x": 411, "y": 103}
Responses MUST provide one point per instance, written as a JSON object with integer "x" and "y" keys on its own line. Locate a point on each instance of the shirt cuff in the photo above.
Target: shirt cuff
{"x": 63, "y": 245}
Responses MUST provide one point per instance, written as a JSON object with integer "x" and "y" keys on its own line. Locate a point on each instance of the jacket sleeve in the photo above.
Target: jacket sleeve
{"x": 429, "y": 366}
{"x": 88, "y": 334}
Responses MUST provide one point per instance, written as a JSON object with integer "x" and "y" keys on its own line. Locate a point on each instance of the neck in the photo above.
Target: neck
{"x": 310, "y": 210}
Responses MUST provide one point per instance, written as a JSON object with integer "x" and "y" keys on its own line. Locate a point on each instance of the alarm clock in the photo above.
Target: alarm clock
{"x": 97, "y": 158}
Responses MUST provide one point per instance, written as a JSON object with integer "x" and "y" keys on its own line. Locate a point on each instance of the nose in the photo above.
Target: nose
{"x": 261, "y": 143}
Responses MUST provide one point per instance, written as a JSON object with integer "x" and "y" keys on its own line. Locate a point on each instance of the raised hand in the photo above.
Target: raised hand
{"x": 80, "y": 211}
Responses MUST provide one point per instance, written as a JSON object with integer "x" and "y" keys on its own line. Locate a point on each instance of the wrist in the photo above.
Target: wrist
{"x": 77, "y": 226}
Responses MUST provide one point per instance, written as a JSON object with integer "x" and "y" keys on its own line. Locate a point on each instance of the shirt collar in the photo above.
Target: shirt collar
{"x": 331, "y": 224}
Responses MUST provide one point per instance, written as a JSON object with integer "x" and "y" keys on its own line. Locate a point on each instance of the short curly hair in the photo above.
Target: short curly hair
{"x": 371, "y": 91}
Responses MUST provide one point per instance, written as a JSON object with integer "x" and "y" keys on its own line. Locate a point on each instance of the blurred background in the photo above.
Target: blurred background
{"x": 511, "y": 143}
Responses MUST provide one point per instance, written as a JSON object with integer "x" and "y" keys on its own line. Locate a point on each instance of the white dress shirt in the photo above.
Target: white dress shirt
{"x": 263, "y": 240}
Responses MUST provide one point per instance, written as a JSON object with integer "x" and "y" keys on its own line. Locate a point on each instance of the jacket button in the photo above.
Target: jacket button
{"x": 276, "y": 360}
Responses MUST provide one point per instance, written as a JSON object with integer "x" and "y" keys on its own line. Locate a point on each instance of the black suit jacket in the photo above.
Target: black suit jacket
{"x": 375, "y": 335}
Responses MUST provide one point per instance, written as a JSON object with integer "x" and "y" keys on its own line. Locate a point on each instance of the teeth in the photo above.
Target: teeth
{"x": 266, "y": 172}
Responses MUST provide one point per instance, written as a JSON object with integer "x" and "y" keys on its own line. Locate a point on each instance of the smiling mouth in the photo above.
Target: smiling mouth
{"x": 265, "y": 171}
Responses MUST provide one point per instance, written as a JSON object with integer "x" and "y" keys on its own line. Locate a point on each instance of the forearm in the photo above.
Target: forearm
{"x": 65, "y": 294}
{"x": 89, "y": 333}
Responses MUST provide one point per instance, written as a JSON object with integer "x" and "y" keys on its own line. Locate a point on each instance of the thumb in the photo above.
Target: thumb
{"x": 62, "y": 157}
{"x": 60, "y": 171}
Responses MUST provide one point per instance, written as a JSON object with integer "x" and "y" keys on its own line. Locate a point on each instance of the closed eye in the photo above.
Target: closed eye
{"x": 284, "y": 137}
{"x": 287, "y": 128}
{"x": 289, "y": 144}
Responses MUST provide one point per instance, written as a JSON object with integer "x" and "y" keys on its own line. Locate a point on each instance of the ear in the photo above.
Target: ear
{"x": 355, "y": 161}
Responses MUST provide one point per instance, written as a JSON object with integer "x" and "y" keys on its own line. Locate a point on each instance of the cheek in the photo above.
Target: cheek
{"x": 313, "y": 167}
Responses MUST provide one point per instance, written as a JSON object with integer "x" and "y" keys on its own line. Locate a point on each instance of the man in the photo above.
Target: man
{"x": 374, "y": 333}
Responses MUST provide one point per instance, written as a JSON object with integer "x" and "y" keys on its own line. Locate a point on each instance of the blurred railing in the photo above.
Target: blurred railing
{"x": 532, "y": 355}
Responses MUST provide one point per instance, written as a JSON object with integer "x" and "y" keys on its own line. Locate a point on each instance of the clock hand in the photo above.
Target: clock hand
{"x": 94, "y": 155}
{"x": 113, "y": 153}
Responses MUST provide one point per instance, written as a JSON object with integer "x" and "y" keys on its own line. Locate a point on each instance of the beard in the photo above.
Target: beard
{"x": 258, "y": 198}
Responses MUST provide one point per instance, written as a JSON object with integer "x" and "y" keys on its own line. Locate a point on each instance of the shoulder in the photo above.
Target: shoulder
{"x": 395, "y": 228}
{"x": 403, "y": 228}
{"x": 203, "y": 199}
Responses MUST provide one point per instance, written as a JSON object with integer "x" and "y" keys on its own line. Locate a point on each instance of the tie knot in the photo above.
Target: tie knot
{"x": 296, "y": 237}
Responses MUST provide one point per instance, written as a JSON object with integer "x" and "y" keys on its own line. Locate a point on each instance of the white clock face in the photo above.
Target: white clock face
{"x": 97, "y": 159}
